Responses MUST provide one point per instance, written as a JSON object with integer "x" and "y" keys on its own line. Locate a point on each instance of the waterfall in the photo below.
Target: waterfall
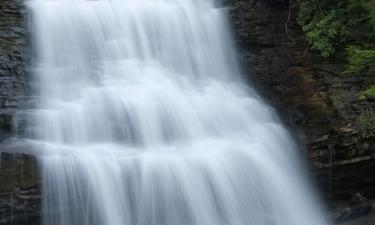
{"x": 144, "y": 119}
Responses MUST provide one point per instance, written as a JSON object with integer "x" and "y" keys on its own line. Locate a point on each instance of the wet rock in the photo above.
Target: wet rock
{"x": 21, "y": 207}
{"x": 356, "y": 211}
{"x": 349, "y": 214}
{"x": 19, "y": 190}
{"x": 13, "y": 60}
{"x": 20, "y": 200}
{"x": 357, "y": 200}
{"x": 17, "y": 171}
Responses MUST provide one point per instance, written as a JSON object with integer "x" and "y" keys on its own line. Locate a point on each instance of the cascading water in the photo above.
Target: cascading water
{"x": 144, "y": 120}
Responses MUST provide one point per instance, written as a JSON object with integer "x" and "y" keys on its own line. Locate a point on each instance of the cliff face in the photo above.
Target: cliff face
{"x": 13, "y": 59}
{"x": 19, "y": 192}
{"x": 315, "y": 100}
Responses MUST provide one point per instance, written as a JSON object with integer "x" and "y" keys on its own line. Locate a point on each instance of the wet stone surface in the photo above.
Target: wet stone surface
{"x": 13, "y": 61}
{"x": 20, "y": 200}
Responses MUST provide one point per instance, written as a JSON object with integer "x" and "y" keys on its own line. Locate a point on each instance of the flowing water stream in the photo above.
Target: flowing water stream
{"x": 144, "y": 119}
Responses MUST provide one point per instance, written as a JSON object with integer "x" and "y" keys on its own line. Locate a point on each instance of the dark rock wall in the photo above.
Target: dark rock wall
{"x": 20, "y": 202}
{"x": 315, "y": 100}
{"x": 19, "y": 191}
{"x": 13, "y": 59}
{"x": 17, "y": 172}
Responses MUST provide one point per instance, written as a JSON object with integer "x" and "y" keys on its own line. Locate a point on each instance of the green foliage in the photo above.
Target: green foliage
{"x": 367, "y": 94}
{"x": 336, "y": 26}
{"x": 326, "y": 31}
{"x": 361, "y": 60}
{"x": 330, "y": 24}
{"x": 333, "y": 25}
{"x": 366, "y": 123}
{"x": 366, "y": 8}
{"x": 322, "y": 34}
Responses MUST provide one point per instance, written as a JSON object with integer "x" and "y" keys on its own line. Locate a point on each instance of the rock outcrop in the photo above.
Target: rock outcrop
{"x": 359, "y": 210}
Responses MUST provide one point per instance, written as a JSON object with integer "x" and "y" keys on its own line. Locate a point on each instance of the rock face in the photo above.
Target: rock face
{"x": 315, "y": 100}
{"x": 13, "y": 60}
{"x": 19, "y": 192}
{"x": 20, "y": 202}
{"x": 17, "y": 172}
{"x": 359, "y": 210}
{"x": 20, "y": 208}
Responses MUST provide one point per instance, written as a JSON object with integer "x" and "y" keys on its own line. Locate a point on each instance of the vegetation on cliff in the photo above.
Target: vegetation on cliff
{"x": 337, "y": 27}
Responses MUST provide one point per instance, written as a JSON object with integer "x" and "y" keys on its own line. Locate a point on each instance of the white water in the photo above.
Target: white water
{"x": 145, "y": 120}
